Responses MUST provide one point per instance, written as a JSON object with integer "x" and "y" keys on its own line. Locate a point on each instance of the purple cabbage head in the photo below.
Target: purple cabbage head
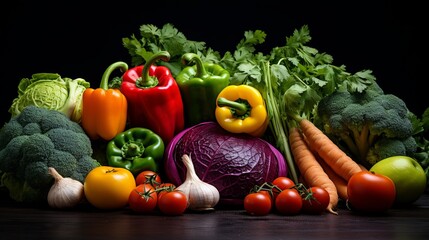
{"x": 233, "y": 163}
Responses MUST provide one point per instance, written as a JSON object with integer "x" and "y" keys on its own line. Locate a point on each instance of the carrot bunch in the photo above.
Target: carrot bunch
{"x": 321, "y": 162}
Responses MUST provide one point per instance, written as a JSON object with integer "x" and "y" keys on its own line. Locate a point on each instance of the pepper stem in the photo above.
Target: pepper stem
{"x": 146, "y": 81}
{"x": 238, "y": 108}
{"x": 104, "y": 84}
{"x": 132, "y": 149}
{"x": 187, "y": 58}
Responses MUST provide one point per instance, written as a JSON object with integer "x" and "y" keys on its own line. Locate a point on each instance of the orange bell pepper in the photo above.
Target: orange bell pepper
{"x": 104, "y": 111}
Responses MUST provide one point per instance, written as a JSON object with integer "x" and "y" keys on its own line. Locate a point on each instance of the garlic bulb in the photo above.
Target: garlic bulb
{"x": 201, "y": 195}
{"x": 65, "y": 192}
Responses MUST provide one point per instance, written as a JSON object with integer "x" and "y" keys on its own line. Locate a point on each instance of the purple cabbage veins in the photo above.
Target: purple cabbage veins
{"x": 233, "y": 163}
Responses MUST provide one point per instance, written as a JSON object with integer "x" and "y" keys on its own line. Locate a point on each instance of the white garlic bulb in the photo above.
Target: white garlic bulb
{"x": 201, "y": 195}
{"x": 65, "y": 192}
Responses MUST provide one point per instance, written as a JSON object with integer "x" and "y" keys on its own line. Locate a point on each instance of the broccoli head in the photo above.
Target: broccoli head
{"x": 36, "y": 139}
{"x": 368, "y": 125}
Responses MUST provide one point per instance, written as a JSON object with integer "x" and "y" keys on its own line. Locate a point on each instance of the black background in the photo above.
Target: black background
{"x": 82, "y": 39}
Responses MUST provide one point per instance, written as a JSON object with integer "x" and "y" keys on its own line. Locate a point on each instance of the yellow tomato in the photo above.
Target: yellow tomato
{"x": 108, "y": 187}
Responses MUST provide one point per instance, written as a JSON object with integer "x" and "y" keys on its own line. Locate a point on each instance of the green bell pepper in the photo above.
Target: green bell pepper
{"x": 136, "y": 149}
{"x": 199, "y": 86}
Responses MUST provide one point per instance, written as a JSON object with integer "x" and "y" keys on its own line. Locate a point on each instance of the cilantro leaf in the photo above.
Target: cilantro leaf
{"x": 168, "y": 38}
{"x": 291, "y": 78}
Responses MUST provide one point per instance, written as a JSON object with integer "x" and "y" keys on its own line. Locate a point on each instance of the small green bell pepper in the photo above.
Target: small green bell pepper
{"x": 136, "y": 149}
{"x": 199, "y": 86}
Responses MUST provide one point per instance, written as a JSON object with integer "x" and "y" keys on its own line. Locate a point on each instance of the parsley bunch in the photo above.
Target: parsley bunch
{"x": 168, "y": 38}
{"x": 292, "y": 78}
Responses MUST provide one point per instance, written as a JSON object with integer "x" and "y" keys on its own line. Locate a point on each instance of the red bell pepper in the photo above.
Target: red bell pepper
{"x": 154, "y": 99}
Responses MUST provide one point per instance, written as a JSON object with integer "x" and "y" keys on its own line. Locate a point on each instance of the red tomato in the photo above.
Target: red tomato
{"x": 315, "y": 201}
{"x": 370, "y": 192}
{"x": 164, "y": 188}
{"x": 270, "y": 193}
{"x": 283, "y": 183}
{"x": 257, "y": 203}
{"x": 143, "y": 198}
{"x": 288, "y": 202}
{"x": 173, "y": 203}
{"x": 148, "y": 176}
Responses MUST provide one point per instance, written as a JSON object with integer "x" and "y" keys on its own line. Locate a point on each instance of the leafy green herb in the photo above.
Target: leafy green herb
{"x": 168, "y": 38}
{"x": 292, "y": 78}
{"x": 421, "y": 135}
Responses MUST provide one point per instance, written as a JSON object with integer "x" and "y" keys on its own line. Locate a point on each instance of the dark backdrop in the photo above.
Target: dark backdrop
{"x": 81, "y": 40}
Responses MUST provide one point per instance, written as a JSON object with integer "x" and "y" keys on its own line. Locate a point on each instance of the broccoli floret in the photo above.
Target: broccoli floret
{"x": 19, "y": 189}
{"x": 67, "y": 167}
{"x": 84, "y": 166}
{"x": 9, "y": 131}
{"x": 369, "y": 125}
{"x": 76, "y": 143}
{"x": 31, "y": 128}
{"x": 9, "y": 160}
{"x": 36, "y": 139}
{"x": 35, "y": 177}
{"x": 388, "y": 147}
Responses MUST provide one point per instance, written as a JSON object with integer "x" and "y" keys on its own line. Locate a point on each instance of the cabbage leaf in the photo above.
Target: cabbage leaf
{"x": 51, "y": 91}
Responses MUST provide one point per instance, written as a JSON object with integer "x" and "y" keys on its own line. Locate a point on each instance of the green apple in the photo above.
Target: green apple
{"x": 407, "y": 174}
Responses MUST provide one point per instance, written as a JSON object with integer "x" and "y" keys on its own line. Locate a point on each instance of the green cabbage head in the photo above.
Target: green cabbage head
{"x": 51, "y": 91}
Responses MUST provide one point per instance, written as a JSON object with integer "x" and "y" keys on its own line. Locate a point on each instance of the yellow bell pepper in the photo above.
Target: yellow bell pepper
{"x": 104, "y": 110}
{"x": 241, "y": 109}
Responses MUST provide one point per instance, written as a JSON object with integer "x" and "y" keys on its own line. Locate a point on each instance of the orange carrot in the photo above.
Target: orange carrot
{"x": 336, "y": 158}
{"x": 310, "y": 169}
{"x": 339, "y": 182}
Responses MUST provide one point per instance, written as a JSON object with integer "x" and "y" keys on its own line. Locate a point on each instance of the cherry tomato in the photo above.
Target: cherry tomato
{"x": 173, "y": 202}
{"x": 108, "y": 187}
{"x": 288, "y": 202}
{"x": 283, "y": 182}
{"x": 272, "y": 194}
{"x": 143, "y": 199}
{"x": 257, "y": 203}
{"x": 370, "y": 192}
{"x": 148, "y": 176}
{"x": 280, "y": 183}
{"x": 315, "y": 201}
{"x": 164, "y": 188}
{"x": 269, "y": 193}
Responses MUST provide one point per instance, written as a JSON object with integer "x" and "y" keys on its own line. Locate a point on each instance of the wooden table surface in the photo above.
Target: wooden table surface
{"x": 23, "y": 222}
